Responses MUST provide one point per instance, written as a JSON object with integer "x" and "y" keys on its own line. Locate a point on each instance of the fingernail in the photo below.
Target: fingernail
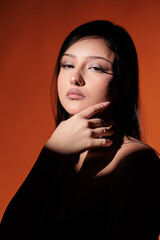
{"x": 109, "y": 142}
{"x": 105, "y": 104}
{"x": 109, "y": 127}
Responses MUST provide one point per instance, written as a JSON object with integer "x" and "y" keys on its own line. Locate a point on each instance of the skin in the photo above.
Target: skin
{"x": 86, "y": 66}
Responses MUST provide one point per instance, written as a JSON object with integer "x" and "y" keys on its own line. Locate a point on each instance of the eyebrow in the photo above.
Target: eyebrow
{"x": 89, "y": 57}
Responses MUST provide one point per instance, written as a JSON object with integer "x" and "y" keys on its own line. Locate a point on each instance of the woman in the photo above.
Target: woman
{"x": 94, "y": 178}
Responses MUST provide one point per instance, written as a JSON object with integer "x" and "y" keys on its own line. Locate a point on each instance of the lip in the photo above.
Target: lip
{"x": 75, "y": 94}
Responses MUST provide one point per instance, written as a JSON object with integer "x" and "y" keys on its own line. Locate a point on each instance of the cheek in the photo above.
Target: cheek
{"x": 61, "y": 85}
{"x": 101, "y": 87}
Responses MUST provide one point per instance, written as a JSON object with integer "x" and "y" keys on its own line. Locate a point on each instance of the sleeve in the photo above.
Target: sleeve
{"x": 25, "y": 215}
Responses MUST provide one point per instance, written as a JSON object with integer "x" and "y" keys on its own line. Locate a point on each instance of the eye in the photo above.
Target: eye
{"x": 67, "y": 65}
{"x": 100, "y": 69}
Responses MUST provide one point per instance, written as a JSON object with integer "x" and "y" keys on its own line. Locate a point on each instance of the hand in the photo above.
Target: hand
{"x": 80, "y": 133}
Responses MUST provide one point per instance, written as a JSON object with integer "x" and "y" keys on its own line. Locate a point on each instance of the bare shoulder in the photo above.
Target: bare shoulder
{"x": 135, "y": 153}
{"x": 134, "y": 147}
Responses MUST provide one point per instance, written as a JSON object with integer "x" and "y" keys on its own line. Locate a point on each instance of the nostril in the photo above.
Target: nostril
{"x": 81, "y": 81}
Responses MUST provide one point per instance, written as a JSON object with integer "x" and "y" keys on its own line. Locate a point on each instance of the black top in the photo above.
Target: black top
{"x": 56, "y": 202}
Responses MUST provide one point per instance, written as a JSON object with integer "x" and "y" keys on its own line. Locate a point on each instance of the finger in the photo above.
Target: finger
{"x": 90, "y": 111}
{"x": 101, "y": 132}
{"x": 102, "y": 142}
{"x": 96, "y": 122}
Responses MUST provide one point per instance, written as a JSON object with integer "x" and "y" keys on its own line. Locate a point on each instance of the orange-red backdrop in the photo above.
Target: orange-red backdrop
{"x": 31, "y": 34}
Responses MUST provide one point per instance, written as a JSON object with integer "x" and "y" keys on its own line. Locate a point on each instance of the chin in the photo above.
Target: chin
{"x": 72, "y": 109}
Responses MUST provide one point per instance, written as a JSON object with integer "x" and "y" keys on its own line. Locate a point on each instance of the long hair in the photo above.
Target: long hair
{"x": 125, "y": 72}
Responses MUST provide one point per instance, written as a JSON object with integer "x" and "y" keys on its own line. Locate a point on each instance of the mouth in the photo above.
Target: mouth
{"x": 75, "y": 94}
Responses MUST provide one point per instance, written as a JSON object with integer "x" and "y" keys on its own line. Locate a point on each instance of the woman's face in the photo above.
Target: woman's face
{"x": 86, "y": 74}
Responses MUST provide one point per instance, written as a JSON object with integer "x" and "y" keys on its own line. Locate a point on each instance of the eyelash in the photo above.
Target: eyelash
{"x": 96, "y": 68}
{"x": 68, "y": 66}
{"x": 99, "y": 69}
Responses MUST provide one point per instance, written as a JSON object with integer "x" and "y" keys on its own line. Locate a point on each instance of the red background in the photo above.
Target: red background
{"x": 31, "y": 34}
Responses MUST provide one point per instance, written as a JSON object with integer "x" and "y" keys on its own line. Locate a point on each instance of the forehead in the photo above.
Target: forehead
{"x": 91, "y": 46}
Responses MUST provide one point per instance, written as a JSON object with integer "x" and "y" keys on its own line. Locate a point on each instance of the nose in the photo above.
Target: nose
{"x": 77, "y": 79}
